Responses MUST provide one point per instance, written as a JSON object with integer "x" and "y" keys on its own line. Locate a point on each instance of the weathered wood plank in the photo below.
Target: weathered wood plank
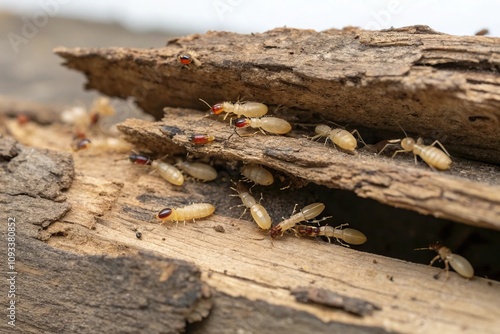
{"x": 434, "y": 85}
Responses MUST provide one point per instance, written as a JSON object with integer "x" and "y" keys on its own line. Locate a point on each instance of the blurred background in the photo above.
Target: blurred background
{"x": 30, "y": 29}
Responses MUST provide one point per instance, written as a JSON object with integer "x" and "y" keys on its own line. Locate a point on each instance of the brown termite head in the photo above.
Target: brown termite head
{"x": 275, "y": 231}
{"x": 189, "y": 59}
{"x": 164, "y": 214}
{"x": 201, "y": 139}
{"x": 241, "y": 122}
{"x": 139, "y": 159}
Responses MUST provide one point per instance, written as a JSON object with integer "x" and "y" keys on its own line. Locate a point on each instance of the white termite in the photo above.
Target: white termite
{"x": 457, "y": 262}
{"x": 190, "y": 212}
{"x": 198, "y": 170}
{"x": 308, "y": 212}
{"x": 257, "y": 174}
{"x": 433, "y": 156}
{"x": 168, "y": 172}
{"x": 340, "y": 137}
{"x": 269, "y": 124}
{"x": 247, "y": 109}
{"x": 258, "y": 212}
{"x": 349, "y": 235}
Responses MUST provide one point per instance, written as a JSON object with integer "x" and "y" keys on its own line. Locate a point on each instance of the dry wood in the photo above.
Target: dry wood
{"x": 469, "y": 193}
{"x": 251, "y": 278}
{"x": 434, "y": 85}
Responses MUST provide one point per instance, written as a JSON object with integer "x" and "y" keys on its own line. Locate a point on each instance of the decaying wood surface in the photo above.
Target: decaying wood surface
{"x": 251, "y": 279}
{"x": 469, "y": 193}
{"x": 434, "y": 85}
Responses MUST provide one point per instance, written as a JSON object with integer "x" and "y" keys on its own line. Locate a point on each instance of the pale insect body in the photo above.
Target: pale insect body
{"x": 340, "y": 137}
{"x": 198, "y": 170}
{"x": 308, "y": 212}
{"x": 349, "y": 235}
{"x": 457, "y": 262}
{"x": 433, "y": 156}
{"x": 269, "y": 124}
{"x": 257, "y": 174}
{"x": 247, "y": 109}
{"x": 258, "y": 212}
{"x": 168, "y": 172}
{"x": 190, "y": 212}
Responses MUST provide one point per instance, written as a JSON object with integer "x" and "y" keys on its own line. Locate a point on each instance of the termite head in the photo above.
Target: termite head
{"x": 435, "y": 246}
{"x": 408, "y": 144}
{"x": 201, "y": 139}
{"x": 274, "y": 231}
{"x": 185, "y": 59}
{"x": 81, "y": 144}
{"x": 217, "y": 109}
{"x": 164, "y": 214}
{"x": 241, "y": 122}
{"x": 304, "y": 230}
{"x": 139, "y": 159}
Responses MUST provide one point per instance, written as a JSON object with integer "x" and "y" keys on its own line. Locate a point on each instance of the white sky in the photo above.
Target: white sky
{"x": 460, "y": 17}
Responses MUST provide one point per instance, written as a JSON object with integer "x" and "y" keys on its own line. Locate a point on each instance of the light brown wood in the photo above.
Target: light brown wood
{"x": 469, "y": 193}
{"x": 241, "y": 265}
{"x": 434, "y": 85}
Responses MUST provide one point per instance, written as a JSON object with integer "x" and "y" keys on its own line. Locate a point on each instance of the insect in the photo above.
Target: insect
{"x": 349, "y": 235}
{"x": 189, "y": 59}
{"x": 433, "y": 156}
{"x": 190, "y": 212}
{"x": 170, "y": 131}
{"x": 248, "y": 109}
{"x": 309, "y": 212}
{"x": 201, "y": 139}
{"x": 340, "y": 137}
{"x": 198, "y": 170}
{"x": 168, "y": 172}
{"x": 139, "y": 159}
{"x": 257, "y": 174}
{"x": 457, "y": 262}
{"x": 269, "y": 124}
{"x": 258, "y": 212}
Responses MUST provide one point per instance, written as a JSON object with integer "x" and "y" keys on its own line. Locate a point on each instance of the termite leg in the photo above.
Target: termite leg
{"x": 400, "y": 151}
{"x": 317, "y": 221}
{"x": 440, "y": 145}
{"x": 359, "y": 136}
{"x": 388, "y": 144}
{"x": 434, "y": 260}
{"x": 342, "y": 225}
{"x": 343, "y": 244}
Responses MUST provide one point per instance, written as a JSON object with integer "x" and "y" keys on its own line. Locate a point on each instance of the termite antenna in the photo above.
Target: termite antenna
{"x": 425, "y": 248}
{"x": 209, "y": 106}
{"x": 406, "y": 135}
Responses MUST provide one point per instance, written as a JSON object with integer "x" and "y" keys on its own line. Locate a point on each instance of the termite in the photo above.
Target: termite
{"x": 198, "y": 170}
{"x": 340, "y": 137}
{"x": 258, "y": 212}
{"x": 201, "y": 139}
{"x": 190, "y": 212}
{"x": 257, "y": 174}
{"x": 349, "y": 235}
{"x": 309, "y": 212}
{"x": 168, "y": 172}
{"x": 247, "y": 109}
{"x": 189, "y": 59}
{"x": 269, "y": 124}
{"x": 433, "y": 156}
{"x": 457, "y": 262}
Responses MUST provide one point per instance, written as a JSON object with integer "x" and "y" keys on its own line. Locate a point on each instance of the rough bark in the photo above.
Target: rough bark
{"x": 251, "y": 278}
{"x": 434, "y": 85}
{"x": 469, "y": 193}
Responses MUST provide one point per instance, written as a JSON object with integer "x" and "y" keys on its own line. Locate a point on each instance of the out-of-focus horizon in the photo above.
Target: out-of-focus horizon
{"x": 197, "y": 16}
